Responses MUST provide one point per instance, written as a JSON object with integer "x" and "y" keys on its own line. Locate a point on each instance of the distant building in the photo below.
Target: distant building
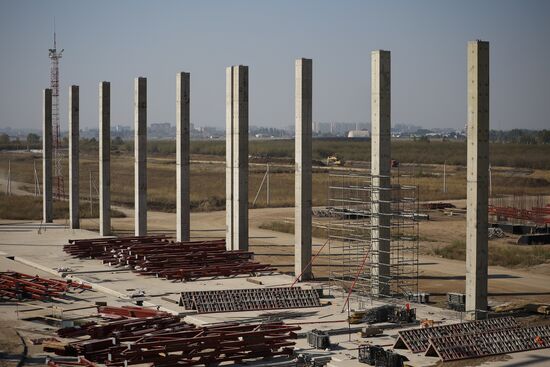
{"x": 337, "y": 128}
{"x": 358, "y": 134}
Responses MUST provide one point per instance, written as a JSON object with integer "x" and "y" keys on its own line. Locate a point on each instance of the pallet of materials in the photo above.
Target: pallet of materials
{"x": 231, "y": 300}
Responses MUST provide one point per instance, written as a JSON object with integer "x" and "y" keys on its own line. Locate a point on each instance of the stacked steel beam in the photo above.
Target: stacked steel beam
{"x": 14, "y": 285}
{"x": 165, "y": 340}
{"x": 164, "y": 258}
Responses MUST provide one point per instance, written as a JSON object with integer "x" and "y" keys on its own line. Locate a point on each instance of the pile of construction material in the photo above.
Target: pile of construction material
{"x": 474, "y": 339}
{"x": 376, "y": 355}
{"x": 19, "y": 286}
{"x": 385, "y": 313}
{"x": 231, "y": 300}
{"x": 164, "y": 258}
{"x": 165, "y": 340}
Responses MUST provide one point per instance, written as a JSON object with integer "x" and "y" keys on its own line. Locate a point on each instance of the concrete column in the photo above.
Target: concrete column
{"x": 237, "y": 157}
{"x": 105, "y": 158}
{"x": 302, "y": 181}
{"x": 47, "y": 192}
{"x": 229, "y": 158}
{"x": 140, "y": 156}
{"x": 240, "y": 157}
{"x": 381, "y": 171}
{"x": 183, "y": 219}
{"x": 74, "y": 136}
{"x": 477, "y": 175}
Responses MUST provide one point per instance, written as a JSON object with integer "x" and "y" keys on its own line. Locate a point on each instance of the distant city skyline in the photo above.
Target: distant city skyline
{"x": 117, "y": 41}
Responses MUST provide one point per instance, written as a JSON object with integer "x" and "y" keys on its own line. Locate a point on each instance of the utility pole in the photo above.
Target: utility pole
{"x": 445, "y": 176}
{"x": 8, "y": 188}
{"x": 267, "y": 185}
{"x": 91, "y": 202}
{"x": 36, "y": 181}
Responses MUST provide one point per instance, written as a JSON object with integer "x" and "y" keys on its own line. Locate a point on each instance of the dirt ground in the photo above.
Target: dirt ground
{"x": 437, "y": 275}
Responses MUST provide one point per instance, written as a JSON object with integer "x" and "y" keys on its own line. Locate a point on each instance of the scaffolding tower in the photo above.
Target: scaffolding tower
{"x": 55, "y": 55}
{"x": 352, "y": 256}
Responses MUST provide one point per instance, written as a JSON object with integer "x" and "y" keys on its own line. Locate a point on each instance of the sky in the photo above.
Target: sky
{"x": 119, "y": 40}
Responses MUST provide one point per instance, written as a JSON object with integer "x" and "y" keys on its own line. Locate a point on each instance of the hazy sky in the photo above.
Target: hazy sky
{"x": 120, "y": 40}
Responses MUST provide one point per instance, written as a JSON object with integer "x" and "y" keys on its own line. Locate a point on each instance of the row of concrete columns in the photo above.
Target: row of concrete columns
{"x": 237, "y": 164}
{"x": 140, "y": 157}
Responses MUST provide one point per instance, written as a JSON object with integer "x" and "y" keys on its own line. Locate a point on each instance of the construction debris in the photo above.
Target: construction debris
{"x": 161, "y": 257}
{"x": 165, "y": 340}
{"x": 488, "y": 343}
{"x": 19, "y": 286}
{"x": 249, "y": 299}
{"x": 417, "y": 340}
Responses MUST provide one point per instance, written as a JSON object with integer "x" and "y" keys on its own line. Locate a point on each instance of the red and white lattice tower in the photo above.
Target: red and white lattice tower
{"x": 59, "y": 188}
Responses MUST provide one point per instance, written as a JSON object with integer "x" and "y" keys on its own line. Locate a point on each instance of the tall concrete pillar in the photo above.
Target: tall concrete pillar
{"x": 74, "y": 136}
{"x": 140, "y": 156}
{"x": 381, "y": 171}
{"x": 302, "y": 181}
{"x": 105, "y": 158}
{"x": 478, "y": 180}
{"x": 237, "y": 157}
{"x": 47, "y": 188}
{"x": 183, "y": 218}
{"x": 229, "y": 158}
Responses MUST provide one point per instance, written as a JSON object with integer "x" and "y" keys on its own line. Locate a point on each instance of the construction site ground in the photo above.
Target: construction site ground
{"x": 28, "y": 247}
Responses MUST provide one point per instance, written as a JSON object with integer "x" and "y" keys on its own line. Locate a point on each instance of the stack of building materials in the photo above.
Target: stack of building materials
{"x": 19, "y": 286}
{"x": 384, "y": 313}
{"x": 249, "y": 299}
{"x": 165, "y": 340}
{"x": 161, "y": 257}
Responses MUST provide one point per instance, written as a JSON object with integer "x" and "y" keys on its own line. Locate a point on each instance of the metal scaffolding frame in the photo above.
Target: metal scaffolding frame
{"x": 352, "y": 253}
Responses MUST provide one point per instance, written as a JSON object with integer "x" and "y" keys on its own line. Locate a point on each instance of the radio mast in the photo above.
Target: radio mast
{"x": 59, "y": 189}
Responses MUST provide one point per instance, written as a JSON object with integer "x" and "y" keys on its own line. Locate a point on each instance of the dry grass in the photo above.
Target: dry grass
{"x": 208, "y": 181}
{"x": 30, "y": 207}
{"x": 499, "y": 254}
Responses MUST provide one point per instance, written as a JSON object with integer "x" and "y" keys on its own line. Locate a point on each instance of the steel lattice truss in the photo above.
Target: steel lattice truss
{"x": 488, "y": 343}
{"x": 249, "y": 299}
{"x": 418, "y": 340}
